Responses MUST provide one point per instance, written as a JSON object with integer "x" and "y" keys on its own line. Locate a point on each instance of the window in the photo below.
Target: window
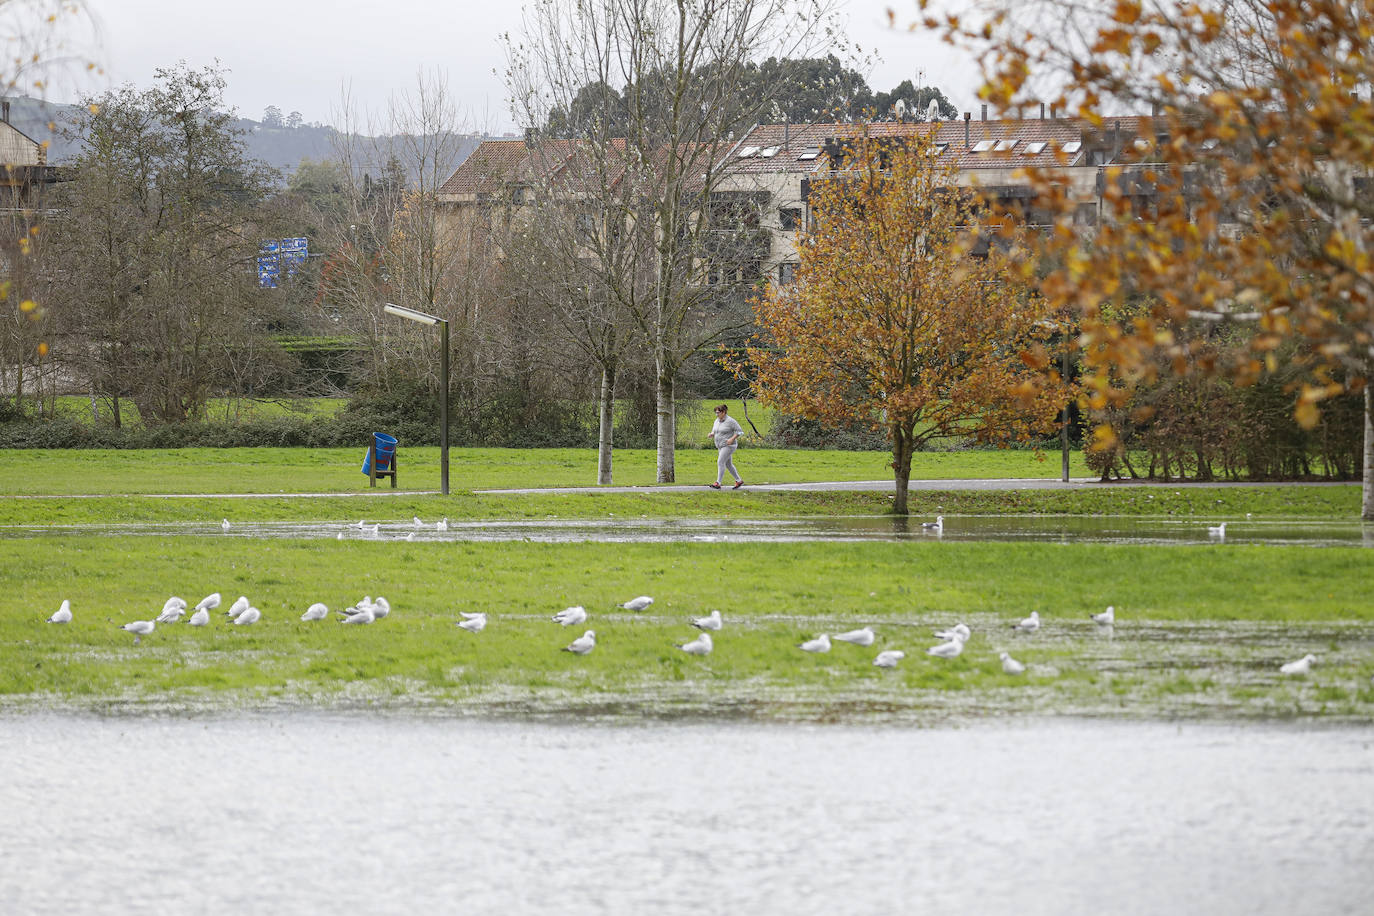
{"x": 811, "y": 152}
{"x": 1072, "y": 146}
{"x": 748, "y": 151}
{"x": 789, "y": 218}
{"x": 982, "y": 146}
{"x": 1005, "y": 146}
{"x": 1034, "y": 149}
{"x": 769, "y": 153}
{"x": 787, "y": 273}
{"x": 939, "y": 149}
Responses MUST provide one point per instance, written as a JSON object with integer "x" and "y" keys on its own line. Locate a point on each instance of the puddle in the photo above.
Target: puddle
{"x": 1309, "y": 532}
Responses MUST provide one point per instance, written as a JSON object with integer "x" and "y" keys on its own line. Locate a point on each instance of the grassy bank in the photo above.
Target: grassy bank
{"x": 1200, "y": 630}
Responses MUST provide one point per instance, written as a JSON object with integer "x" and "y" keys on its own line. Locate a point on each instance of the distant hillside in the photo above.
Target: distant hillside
{"x": 281, "y": 147}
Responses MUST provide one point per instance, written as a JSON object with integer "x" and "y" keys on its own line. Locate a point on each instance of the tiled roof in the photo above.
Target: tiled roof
{"x": 801, "y": 147}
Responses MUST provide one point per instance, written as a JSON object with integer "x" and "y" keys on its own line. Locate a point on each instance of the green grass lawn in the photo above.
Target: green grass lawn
{"x": 302, "y": 470}
{"x": 1198, "y": 628}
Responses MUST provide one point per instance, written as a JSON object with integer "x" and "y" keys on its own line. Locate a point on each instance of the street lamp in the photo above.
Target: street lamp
{"x": 400, "y": 311}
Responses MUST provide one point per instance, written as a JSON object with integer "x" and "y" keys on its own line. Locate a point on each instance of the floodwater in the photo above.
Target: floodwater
{"x": 1312, "y": 532}
{"x": 318, "y": 812}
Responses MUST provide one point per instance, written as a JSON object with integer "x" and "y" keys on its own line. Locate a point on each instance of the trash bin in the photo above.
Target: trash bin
{"x": 385, "y": 447}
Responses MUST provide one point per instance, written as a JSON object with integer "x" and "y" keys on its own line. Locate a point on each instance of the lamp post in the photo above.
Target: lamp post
{"x": 400, "y": 311}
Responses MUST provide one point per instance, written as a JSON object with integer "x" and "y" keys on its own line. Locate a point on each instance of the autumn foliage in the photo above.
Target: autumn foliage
{"x": 893, "y": 320}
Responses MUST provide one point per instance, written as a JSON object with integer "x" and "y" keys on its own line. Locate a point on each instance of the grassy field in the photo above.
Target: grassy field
{"x": 1200, "y": 631}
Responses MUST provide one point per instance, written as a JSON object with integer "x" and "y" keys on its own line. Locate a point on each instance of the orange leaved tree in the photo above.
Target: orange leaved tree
{"x": 901, "y": 316}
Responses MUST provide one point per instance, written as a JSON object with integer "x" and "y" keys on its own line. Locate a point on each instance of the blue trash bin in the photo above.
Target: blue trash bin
{"x": 386, "y": 450}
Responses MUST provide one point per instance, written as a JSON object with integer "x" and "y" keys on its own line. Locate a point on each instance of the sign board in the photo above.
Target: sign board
{"x": 278, "y": 253}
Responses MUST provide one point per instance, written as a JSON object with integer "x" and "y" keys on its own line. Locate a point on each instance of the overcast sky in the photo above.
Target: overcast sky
{"x": 300, "y": 54}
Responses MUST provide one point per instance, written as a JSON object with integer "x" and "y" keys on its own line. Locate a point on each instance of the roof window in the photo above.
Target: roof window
{"x": 1005, "y": 146}
{"x": 982, "y": 146}
{"x": 748, "y": 152}
{"x": 1072, "y": 146}
{"x": 1034, "y": 149}
{"x": 811, "y": 152}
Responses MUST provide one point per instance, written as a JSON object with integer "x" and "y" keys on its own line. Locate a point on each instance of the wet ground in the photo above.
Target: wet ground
{"x": 1313, "y": 532}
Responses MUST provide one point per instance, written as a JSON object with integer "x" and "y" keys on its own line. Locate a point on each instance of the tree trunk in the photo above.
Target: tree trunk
{"x": 902, "y": 449}
{"x": 667, "y": 423}
{"x": 603, "y": 440}
{"x": 1367, "y": 506}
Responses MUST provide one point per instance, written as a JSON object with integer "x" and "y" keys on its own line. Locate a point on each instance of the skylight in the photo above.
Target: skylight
{"x": 982, "y": 146}
{"x": 1034, "y": 149}
{"x": 1072, "y": 146}
{"x": 811, "y": 152}
{"x": 769, "y": 152}
{"x": 1005, "y": 146}
{"x": 748, "y": 151}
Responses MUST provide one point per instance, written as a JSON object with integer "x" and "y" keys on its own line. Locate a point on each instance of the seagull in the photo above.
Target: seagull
{"x": 949, "y": 649}
{"x": 637, "y": 604}
{"x": 1029, "y": 624}
{"x": 418, "y": 523}
{"x": 710, "y": 622}
{"x": 1106, "y": 618}
{"x": 372, "y": 530}
{"x": 316, "y": 611}
{"x": 238, "y": 607}
{"x": 359, "y": 524}
{"x": 441, "y": 524}
{"x": 1301, "y": 666}
{"x": 889, "y": 658}
{"x": 699, "y": 646}
{"x": 225, "y": 525}
{"x": 582, "y": 644}
{"x": 410, "y": 536}
{"x": 62, "y": 614}
{"x": 1217, "y": 531}
{"x": 172, "y": 610}
{"x": 960, "y": 630}
{"x": 200, "y": 618}
{"x": 861, "y": 637}
{"x": 381, "y": 607}
{"x": 363, "y": 615}
{"x": 819, "y": 644}
{"x": 250, "y": 616}
{"x": 938, "y": 526}
{"x": 140, "y": 629}
{"x": 1011, "y": 665}
{"x": 209, "y": 602}
{"x": 473, "y": 623}
{"x": 571, "y": 616}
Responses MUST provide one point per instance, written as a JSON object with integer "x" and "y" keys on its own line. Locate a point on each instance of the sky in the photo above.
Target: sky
{"x": 303, "y": 55}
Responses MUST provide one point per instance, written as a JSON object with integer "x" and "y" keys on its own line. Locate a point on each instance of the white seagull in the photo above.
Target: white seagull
{"x": 360, "y": 524}
{"x": 372, "y": 530}
{"x": 819, "y": 644}
{"x": 209, "y": 602}
{"x": 637, "y": 604}
{"x": 571, "y": 616}
{"x": 140, "y": 629}
{"x": 889, "y": 658}
{"x": 938, "y": 526}
{"x": 381, "y": 607}
{"x": 949, "y": 649}
{"x": 361, "y": 616}
{"x": 250, "y": 616}
{"x": 1301, "y": 666}
{"x": 225, "y": 525}
{"x": 1106, "y": 618}
{"x": 1011, "y": 665}
{"x": 699, "y": 646}
{"x": 960, "y": 630}
{"x": 316, "y": 611}
{"x": 200, "y": 618}
{"x": 1217, "y": 531}
{"x": 582, "y": 644}
{"x": 1029, "y": 624}
{"x": 240, "y": 605}
{"x": 441, "y": 524}
{"x": 710, "y": 622}
{"x": 62, "y": 614}
{"x": 860, "y": 637}
{"x": 418, "y": 523}
{"x": 172, "y": 610}
{"x": 473, "y": 623}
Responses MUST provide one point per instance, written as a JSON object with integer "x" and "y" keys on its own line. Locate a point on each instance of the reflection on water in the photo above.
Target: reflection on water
{"x": 1312, "y": 532}
{"x": 312, "y": 813}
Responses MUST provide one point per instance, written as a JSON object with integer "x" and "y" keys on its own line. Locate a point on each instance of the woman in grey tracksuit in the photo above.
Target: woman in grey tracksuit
{"x": 725, "y": 432}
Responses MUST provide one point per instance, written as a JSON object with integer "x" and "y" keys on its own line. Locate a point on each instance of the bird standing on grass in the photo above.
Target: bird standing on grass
{"x": 251, "y": 615}
{"x": 700, "y": 646}
{"x": 1029, "y": 624}
{"x": 1106, "y": 618}
{"x": 316, "y": 611}
{"x": 200, "y": 618}
{"x": 637, "y": 604}
{"x": 711, "y": 621}
{"x": 951, "y": 649}
{"x": 889, "y": 658}
{"x": 362, "y": 615}
{"x": 473, "y": 623}
{"x": 582, "y": 644}
{"x": 571, "y": 616}
{"x": 861, "y": 637}
{"x": 819, "y": 644}
{"x": 63, "y": 614}
{"x": 209, "y": 602}
{"x": 140, "y": 629}
{"x": 1301, "y": 666}
{"x": 241, "y": 604}
{"x": 959, "y": 629}
{"x": 1011, "y": 665}
{"x": 172, "y": 610}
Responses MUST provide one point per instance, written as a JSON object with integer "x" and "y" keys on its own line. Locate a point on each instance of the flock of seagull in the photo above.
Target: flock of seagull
{"x": 369, "y": 610}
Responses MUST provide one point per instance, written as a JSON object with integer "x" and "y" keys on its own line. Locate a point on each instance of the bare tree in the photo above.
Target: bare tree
{"x": 655, "y": 89}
